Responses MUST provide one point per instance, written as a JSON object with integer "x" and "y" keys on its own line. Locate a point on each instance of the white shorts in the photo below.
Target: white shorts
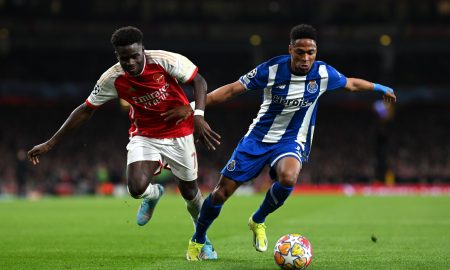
{"x": 178, "y": 154}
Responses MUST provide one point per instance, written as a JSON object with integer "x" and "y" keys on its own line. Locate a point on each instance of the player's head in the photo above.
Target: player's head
{"x": 127, "y": 43}
{"x": 302, "y": 48}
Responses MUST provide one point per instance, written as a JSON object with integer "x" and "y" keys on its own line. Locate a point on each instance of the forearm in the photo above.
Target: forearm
{"x": 200, "y": 89}
{"x": 224, "y": 93}
{"x": 77, "y": 118}
{"x": 358, "y": 85}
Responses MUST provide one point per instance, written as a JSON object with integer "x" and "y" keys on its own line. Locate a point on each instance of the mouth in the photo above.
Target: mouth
{"x": 132, "y": 69}
{"x": 304, "y": 66}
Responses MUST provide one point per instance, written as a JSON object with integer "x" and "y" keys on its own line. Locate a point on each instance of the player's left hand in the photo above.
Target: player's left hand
{"x": 388, "y": 93}
{"x": 203, "y": 133}
{"x": 179, "y": 113}
{"x": 389, "y": 96}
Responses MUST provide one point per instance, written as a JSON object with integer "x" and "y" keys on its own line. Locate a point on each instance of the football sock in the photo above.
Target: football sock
{"x": 275, "y": 198}
{"x": 208, "y": 214}
{"x": 193, "y": 206}
{"x": 152, "y": 192}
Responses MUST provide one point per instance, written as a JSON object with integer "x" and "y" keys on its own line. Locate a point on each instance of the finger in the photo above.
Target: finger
{"x": 208, "y": 143}
{"x": 170, "y": 117}
{"x": 212, "y": 139}
{"x": 215, "y": 134}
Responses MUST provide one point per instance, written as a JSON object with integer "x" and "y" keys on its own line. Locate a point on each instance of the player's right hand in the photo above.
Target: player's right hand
{"x": 37, "y": 150}
{"x": 179, "y": 114}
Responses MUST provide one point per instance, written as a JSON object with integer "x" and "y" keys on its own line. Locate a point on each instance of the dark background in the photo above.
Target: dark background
{"x": 52, "y": 52}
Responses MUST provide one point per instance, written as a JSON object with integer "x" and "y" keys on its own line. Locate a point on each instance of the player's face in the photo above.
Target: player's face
{"x": 303, "y": 54}
{"x": 131, "y": 58}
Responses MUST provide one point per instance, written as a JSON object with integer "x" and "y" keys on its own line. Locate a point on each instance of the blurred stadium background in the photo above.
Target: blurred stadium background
{"x": 53, "y": 51}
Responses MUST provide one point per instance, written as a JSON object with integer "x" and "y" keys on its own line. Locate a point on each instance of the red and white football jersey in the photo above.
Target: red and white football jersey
{"x": 154, "y": 91}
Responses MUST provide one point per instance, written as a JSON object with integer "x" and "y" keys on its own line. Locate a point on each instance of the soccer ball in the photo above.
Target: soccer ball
{"x": 293, "y": 251}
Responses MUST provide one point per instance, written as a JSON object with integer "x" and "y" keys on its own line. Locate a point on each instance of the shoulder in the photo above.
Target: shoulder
{"x": 161, "y": 56}
{"x": 111, "y": 74}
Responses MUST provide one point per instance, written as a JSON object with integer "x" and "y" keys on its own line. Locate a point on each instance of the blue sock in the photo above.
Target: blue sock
{"x": 208, "y": 214}
{"x": 275, "y": 198}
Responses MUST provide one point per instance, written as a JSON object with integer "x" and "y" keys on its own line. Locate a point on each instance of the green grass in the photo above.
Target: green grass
{"x": 100, "y": 233}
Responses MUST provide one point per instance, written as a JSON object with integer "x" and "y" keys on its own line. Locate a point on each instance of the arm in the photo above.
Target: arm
{"x": 359, "y": 85}
{"x": 221, "y": 94}
{"x": 225, "y": 93}
{"x": 202, "y": 130}
{"x": 78, "y": 117}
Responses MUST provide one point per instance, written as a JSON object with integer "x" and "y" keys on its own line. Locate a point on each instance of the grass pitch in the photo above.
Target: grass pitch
{"x": 412, "y": 232}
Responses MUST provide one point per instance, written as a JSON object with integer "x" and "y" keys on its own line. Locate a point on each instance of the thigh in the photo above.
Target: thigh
{"x": 281, "y": 151}
{"x": 143, "y": 149}
{"x": 247, "y": 161}
{"x": 142, "y": 170}
{"x": 182, "y": 158}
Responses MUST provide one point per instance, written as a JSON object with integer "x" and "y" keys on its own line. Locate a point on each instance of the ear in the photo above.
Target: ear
{"x": 116, "y": 54}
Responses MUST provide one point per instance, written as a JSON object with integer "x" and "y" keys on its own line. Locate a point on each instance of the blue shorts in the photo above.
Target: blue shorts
{"x": 250, "y": 157}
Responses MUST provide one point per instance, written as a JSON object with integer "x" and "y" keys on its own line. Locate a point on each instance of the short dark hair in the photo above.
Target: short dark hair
{"x": 303, "y": 31}
{"x": 126, "y": 36}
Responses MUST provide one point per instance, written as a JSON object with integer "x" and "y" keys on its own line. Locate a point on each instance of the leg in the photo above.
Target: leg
{"x": 192, "y": 196}
{"x": 209, "y": 212}
{"x": 287, "y": 170}
{"x": 194, "y": 201}
{"x": 139, "y": 176}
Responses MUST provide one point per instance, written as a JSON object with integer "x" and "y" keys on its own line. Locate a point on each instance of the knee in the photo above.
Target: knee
{"x": 136, "y": 186}
{"x": 288, "y": 178}
{"x": 219, "y": 196}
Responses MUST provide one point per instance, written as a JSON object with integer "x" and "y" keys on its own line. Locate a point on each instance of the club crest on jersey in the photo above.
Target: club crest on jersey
{"x": 232, "y": 165}
{"x": 312, "y": 87}
{"x": 158, "y": 77}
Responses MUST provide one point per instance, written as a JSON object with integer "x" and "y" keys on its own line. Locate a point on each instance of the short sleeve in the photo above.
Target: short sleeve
{"x": 104, "y": 90}
{"x": 256, "y": 79}
{"x": 336, "y": 79}
{"x": 177, "y": 65}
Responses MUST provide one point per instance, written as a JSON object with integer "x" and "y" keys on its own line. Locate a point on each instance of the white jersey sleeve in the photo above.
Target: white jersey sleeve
{"x": 104, "y": 89}
{"x": 177, "y": 65}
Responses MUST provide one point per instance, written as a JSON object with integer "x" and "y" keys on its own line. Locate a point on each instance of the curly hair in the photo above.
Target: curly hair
{"x": 126, "y": 36}
{"x": 303, "y": 31}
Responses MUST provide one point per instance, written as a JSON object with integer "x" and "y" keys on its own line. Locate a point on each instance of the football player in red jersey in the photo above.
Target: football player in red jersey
{"x": 149, "y": 80}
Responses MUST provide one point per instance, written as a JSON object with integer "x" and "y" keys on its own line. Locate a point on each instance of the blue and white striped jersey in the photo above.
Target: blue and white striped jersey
{"x": 290, "y": 102}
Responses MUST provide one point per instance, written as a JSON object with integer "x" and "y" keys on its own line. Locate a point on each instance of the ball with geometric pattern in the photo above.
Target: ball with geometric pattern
{"x": 293, "y": 251}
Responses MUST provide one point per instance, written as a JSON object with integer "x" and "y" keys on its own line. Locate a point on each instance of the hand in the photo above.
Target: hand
{"x": 388, "y": 93}
{"x": 180, "y": 114}
{"x": 390, "y": 97}
{"x": 33, "y": 154}
{"x": 204, "y": 133}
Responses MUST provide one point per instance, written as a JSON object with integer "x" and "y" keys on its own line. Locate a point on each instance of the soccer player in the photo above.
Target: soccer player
{"x": 280, "y": 135}
{"x": 149, "y": 80}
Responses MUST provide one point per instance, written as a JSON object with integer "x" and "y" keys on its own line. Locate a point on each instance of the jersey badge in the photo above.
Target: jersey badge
{"x": 96, "y": 90}
{"x": 312, "y": 87}
{"x": 252, "y": 73}
{"x": 158, "y": 77}
{"x": 232, "y": 165}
